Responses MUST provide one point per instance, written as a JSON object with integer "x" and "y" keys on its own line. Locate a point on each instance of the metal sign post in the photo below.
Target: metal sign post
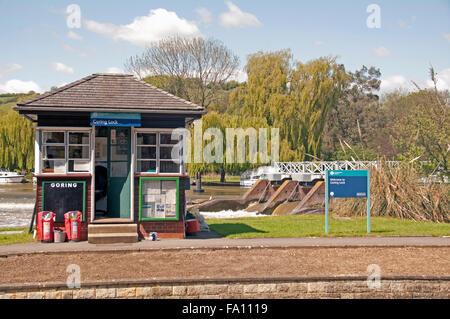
{"x": 347, "y": 184}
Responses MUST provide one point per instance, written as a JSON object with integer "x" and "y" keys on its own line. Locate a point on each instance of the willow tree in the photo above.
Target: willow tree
{"x": 295, "y": 97}
{"x": 16, "y": 141}
{"x": 213, "y": 139}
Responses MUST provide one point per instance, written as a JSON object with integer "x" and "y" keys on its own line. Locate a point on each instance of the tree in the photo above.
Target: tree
{"x": 423, "y": 131}
{"x": 16, "y": 141}
{"x": 192, "y": 68}
{"x": 358, "y": 118}
{"x": 293, "y": 97}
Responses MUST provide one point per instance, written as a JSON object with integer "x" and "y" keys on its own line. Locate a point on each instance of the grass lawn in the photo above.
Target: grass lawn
{"x": 313, "y": 225}
{"x": 6, "y": 239}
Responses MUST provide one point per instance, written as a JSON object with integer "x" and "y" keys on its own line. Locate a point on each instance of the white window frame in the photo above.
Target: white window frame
{"x": 182, "y": 170}
{"x": 41, "y": 145}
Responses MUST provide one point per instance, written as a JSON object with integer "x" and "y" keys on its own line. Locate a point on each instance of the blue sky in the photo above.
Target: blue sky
{"x": 39, "y": 50}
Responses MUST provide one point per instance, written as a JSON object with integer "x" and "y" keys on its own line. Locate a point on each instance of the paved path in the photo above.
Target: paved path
{"x": 211, "y": 241}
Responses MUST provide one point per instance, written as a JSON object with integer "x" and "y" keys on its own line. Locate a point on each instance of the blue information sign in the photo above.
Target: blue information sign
{"x": 347, "y": 184}
{"x": 115, "y": 119}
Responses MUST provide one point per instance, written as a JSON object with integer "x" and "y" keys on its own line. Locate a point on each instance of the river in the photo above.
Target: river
{"x": 16, "y": 204}
{"x": 17, "y": 201}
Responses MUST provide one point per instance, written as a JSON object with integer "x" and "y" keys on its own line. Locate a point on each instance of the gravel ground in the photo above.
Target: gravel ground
{"x": 225, "y": 263}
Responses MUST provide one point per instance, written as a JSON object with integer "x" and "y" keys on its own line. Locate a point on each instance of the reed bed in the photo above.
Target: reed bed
{"x": 396, "y": 192}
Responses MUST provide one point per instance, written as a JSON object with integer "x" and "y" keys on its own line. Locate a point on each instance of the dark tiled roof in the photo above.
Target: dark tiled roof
{"x": 110, "y": 91}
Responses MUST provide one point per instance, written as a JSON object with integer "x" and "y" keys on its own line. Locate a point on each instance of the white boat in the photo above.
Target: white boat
{"x": 248, "y": 178}
{"x": 7, "y": 177}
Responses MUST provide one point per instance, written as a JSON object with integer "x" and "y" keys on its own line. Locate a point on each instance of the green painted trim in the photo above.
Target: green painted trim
{"x": 177, "y": 179}
{"x": 84, "y": 194}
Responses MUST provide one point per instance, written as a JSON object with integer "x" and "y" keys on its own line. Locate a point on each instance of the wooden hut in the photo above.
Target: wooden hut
{"x": 104, "y": 146}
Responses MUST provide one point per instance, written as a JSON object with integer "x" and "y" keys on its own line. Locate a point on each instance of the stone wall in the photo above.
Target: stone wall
{"x": 308, "y": 287}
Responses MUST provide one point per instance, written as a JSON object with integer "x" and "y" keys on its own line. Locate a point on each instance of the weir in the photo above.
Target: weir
{"x": 264, "y": 198}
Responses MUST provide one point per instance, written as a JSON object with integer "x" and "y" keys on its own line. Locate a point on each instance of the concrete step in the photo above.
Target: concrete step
{"x": 112, "y": 238}
{"x": 112, "y": 228}
{"x": 112, "y": 233}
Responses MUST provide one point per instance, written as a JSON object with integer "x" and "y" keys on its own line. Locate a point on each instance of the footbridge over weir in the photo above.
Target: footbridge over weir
{"x": 309, "y": 171}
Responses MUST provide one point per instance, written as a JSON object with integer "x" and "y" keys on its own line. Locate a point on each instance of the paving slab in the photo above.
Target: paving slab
{"x": 211, "y": 240}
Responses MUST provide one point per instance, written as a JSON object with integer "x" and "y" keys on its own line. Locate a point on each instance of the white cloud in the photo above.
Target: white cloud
{"x": 114, "y": 70}
{"x": 235, "y": 17}
{"x": 74, "y": 36}
{"x": 10, "y": 67}
{"x": 442, "y": 80}
{"x": 61, "y": 67}
{"x": 240, "y": 76}
{"x": 205, "y": 15}
{"x": 447, "y": 36}
{"x": 395, "y": 82}
{"x": 158, "y": 24}
{"x": 381, "y": 51}
{"x": 18, "y": 86}
{"x": 318, "y": 43}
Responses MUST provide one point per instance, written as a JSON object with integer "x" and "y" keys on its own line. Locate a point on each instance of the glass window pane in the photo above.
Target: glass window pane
{"x": 79, "y": 166}
{"x": 167, "y": 139}
{"x": 146, "y": 166}
{"x": 79, "y": 152}
{"x": 119, "y": 153}
{"x": 53, "y": 137}
{"x": 165, "y": 152}
{"x": 78, "y": 138}
{"x": 146, "y": 152}
{"x": 54, "y": 152}
{"x": 54, "y": 167}
{"x": 169, "y": 167}
{"x": 146, "y": 139}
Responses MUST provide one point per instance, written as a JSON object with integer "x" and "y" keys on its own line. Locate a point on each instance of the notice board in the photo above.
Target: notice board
{"x": 61, "y": 197}
{"x": 159, "y": 198}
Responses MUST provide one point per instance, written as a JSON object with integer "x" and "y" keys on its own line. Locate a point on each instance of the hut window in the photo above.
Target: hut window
{"x": 79, "y": 153}
{"x": 65, "y": 151}
{"x": 154, "y": 153}
{"x": 168, "y": 162}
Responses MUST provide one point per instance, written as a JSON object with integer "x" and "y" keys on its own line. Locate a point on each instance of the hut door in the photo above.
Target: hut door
{"x": 119, "y": 172}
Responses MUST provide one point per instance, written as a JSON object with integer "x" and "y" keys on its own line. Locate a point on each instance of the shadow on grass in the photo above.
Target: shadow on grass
{"x": 227, "y": 229}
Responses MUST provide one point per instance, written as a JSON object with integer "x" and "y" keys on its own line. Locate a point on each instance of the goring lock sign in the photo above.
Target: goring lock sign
{"x": 347, "y": 184}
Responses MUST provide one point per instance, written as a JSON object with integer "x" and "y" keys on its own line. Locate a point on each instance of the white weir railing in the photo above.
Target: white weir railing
{"x": 320, "y": 167}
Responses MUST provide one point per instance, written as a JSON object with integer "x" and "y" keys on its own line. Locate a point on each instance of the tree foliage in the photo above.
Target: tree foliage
{"x": 16, "y": 141}
{"x": 295, "y": 97}
{"x": 192, "y": 68}
{"x": 423, "y": 132}
{"x": 16, "y": 134}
